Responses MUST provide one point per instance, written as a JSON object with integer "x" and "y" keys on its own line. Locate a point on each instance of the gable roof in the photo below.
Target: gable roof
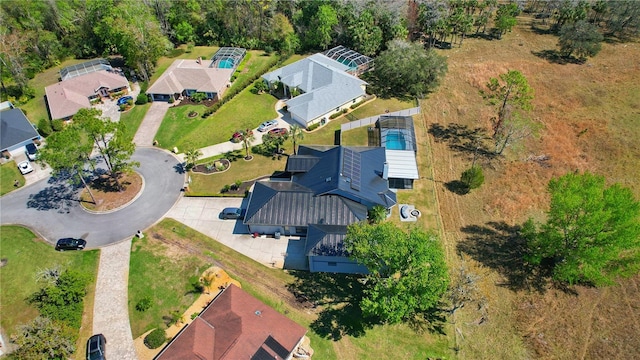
{"x": 286, "y": 203}
{"x": 354, "y": 172}
{"x": 326, "y": 240}
{"x": 235, "y": 325}
{"x": 15, "y": 128}
{"x": 191, "y": 75}
{"x": 67, "y": 97}
{"x": 325, "y": 84}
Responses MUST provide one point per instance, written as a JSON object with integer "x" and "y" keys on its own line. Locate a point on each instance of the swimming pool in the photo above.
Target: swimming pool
{"x": 226, "y": 63}
{"x": 394, "y": 140}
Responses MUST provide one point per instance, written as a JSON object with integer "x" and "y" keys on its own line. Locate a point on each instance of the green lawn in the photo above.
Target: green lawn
{"x": 133, "y": 118}
{"x": 9, "y": 173}
{"x": 164, "y": 279}
{"x": 26, "y": 254}
{"x": 246, "y": 110}
{"x": 240, "y": 170}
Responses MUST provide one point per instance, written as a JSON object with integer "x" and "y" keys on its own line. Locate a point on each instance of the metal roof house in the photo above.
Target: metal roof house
{"x": 186, "y": 77}
{"x": 326, "y": 88}
{"x": 15, "y": 129}
{"x": 81, "y": 84}
{"x": 330, "y": 187}
{"x": 235, "y": 325}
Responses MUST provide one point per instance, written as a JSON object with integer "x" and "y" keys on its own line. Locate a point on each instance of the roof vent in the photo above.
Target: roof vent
{"x": 258, "y": 312}
{"x": 328, "y": 179}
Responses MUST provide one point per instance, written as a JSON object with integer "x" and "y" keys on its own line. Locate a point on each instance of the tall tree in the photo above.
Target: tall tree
{"x": 592, "y": 232}
{"x": 247, "y": 138}
{"x": 365, "y": 35}
{"x": 581, "y": 38}
{"x": 67, "y": 152}
{"x": 511, "y": 95}
{"x": 407, "y": 69}
{"x": 282, "y": 36}
{"x": 296, "y": 135}
{"x": 43, "y": 339}
{"x": 319, "y": 33}
{"x": 624, "y": 18}
{"x": 407, "y": 272}
{"x": 505, "y": 18}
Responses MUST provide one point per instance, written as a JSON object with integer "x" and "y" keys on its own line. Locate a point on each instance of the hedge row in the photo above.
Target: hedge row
{"x": 236, "y": 90}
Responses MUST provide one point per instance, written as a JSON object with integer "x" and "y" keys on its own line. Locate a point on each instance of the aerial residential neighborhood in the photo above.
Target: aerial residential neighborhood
{"x": 319, "y": 179}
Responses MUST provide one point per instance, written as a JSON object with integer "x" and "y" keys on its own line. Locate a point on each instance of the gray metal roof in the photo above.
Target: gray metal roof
{"x": 362, "y": 183}
{"x": 325, "y": 84}
{"x": 289, "y": 204}
{"x": 301, "y": 163}
{"x": 326, "y": 240}
{"x": 15, "y": 128}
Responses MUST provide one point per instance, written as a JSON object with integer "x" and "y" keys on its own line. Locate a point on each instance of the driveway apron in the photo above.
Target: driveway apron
{"x": 110, "y": 310}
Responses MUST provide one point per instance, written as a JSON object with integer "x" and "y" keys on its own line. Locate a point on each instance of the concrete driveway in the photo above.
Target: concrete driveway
{"x": 203, "y": 214}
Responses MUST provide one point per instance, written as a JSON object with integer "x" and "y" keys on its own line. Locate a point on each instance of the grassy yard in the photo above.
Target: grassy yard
{"x": 334, "y": 332}
{"x": 133, "y": 118}
{"x": 21, "y": 247}
{"x": 246, "y": 110}
{"x": 155, "y": 272}
{"x": 240, "y": 170}
{"x": 9, "y": 173}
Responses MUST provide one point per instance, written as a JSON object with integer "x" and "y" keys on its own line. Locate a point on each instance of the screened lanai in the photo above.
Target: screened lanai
{"x": 86, "y": 67}
{"x": 227, "y": 57}
{"x": 398, "y": 137}
{"x": 357, "y": 63}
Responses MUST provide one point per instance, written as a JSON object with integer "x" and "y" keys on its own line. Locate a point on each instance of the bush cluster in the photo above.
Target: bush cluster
{"x": 142, "y": 99}
{"x": 313, "y": 126}
{"x": 144, "y": 304}
{"x": 44, "y": 127}
{"x": 155, "y": 338}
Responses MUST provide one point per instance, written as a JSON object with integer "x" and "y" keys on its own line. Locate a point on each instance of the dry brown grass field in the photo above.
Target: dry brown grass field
{"x": 590, "y": 115}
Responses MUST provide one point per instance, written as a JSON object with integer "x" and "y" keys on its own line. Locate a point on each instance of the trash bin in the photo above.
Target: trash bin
{"x": 277, "y": 235}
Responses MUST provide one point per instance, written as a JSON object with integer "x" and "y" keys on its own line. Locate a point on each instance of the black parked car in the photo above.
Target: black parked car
{"x": 96, "y": 347}
{"x": 70, "y": 244}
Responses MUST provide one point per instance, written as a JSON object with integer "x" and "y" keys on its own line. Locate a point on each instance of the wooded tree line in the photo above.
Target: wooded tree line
{"x": 35, "y": 35}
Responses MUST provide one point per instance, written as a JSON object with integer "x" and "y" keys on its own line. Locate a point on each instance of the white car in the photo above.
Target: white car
{"x": 25, "y": 167}
{"x": 267, "y": 125}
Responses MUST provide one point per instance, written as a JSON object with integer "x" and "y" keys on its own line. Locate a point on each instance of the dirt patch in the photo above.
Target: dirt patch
{"x": 110, "y": 194}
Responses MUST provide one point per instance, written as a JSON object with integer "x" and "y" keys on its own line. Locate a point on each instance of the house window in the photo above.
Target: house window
{"x": 332, "y": 263}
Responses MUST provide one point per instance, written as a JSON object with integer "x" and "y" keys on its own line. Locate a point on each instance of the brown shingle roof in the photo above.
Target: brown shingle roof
{"x": 235, "y": 326}
{"x": 67, "y": 97}
{"x": 190, "y": 75}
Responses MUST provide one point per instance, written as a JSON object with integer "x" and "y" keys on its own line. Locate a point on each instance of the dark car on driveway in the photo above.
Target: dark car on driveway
{"x": 70, "y": 244}
{"x": 231, "y": 213}
{"x": 96, "y": 347}
{"x": 31, "y": 151}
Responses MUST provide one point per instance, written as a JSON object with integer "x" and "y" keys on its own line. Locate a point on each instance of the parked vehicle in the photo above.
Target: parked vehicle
{"x": 278, "y": 131}
{"x": 31, "y": 151}
{"x": 267, "y": 125}
{"x": 96, "y": 347}
{"x": 232, "y": 213}
{"x": 123, "y": 100}
{"x": 70, "y": 244}
{"x": 25, "y": 167}
{"x": 237, "y": 136}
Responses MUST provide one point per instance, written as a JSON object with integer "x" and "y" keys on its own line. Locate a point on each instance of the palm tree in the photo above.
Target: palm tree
{"x": 296, "y": 135}
{"x": 247, "y": 138}
{"x": 191, "y": 157}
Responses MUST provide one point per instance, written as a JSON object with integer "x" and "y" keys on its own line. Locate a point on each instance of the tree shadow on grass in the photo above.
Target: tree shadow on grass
{"x": 500, "y": 247}
{"x": 457, "y": 187}
{"x": 463, "y": 139}
{"x": 555, "y": 57}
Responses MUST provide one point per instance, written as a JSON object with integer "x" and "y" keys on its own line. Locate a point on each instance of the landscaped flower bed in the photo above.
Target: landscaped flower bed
{"x": 213, "y": 167}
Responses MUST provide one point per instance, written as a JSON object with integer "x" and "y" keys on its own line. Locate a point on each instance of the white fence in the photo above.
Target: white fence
{"x": 372, "y": 120}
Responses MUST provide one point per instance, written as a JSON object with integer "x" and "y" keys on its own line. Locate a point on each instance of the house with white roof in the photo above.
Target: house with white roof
{"x": 325, "y": 84}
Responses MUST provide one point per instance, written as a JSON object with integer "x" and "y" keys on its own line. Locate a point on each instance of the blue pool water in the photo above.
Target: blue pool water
{"x": 225, "y": 64}
{"x": 395, "y": 141}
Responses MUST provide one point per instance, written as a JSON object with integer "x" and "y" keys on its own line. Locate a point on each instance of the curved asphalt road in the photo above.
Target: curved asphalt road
{"x": 51, "y": 208}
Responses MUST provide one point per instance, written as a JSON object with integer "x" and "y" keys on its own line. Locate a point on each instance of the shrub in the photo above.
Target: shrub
{"x": 473, "y": 177}
{"x": 123, "y": 107}
{"x": 194, "y": 315}
{"x": 57, "y": 125}
{"x": 333, "y": 116}
{"x": 155, "y": 338}
{"x": 313, "y": 127}
{"x": 198, "y": 97}
{"x": 142, "y": 99}
{"x": 233, "y": 77}
{"x": 226, "y": 188}
{"x": 171, "y": 100}
{"x": 144, "y": 304}
{"x": 44, "y": 127}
